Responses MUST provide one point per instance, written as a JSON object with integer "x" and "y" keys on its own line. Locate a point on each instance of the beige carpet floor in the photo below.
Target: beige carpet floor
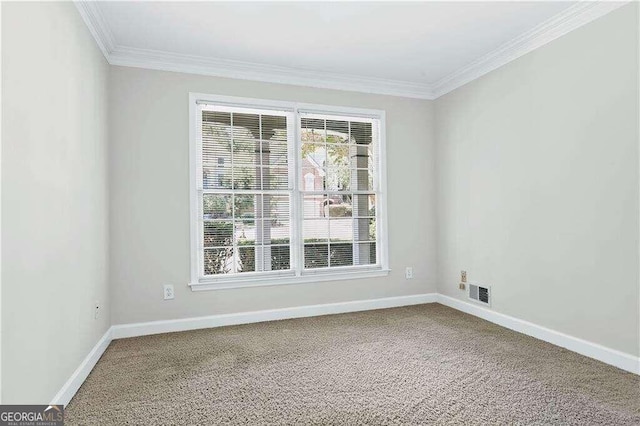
{"x": 425, "y": 364}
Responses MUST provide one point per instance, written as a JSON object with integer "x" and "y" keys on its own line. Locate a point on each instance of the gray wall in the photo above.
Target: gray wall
{"x": 537, "y": 166}
{"x": 149, "y": 176}
{"x": 54, "y": 197}
{"x": 535, "y": 177}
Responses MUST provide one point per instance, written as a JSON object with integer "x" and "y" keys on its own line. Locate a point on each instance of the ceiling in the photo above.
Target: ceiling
{"x": 419, "y": 49}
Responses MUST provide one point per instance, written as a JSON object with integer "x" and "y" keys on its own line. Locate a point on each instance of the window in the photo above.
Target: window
{"x": 284, "y": 192}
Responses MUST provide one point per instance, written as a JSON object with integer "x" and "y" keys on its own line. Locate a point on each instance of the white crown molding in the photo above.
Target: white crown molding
{"x": 92, "y": 16}
{"x": 566, "y": 21}
{"x": 555, "y": 27}
{"x": 166, "y": 61}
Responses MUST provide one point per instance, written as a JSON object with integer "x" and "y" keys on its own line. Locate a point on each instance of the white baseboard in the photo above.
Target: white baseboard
{"x": 154, "y": 327}
{"x": 609, "y": 356}
{"x": 78, "y": 377}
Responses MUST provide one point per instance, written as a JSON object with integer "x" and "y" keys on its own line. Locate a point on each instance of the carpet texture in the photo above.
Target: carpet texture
{"x": 425, "y": 364}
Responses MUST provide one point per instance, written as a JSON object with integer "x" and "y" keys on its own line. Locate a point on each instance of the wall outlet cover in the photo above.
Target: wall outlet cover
{"x": 168, "y": 292}
{"x": 408, "y": 273}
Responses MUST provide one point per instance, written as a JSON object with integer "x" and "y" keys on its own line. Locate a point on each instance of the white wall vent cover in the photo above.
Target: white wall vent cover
{"x": 480, "y": 294}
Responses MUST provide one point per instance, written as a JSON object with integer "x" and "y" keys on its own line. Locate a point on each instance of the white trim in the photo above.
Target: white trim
{"x": 296, "y": 275}
{"x": 331, "y": 111}
{"x": 564, "y": 22}
{"x": 193, "y": 190}
{"x": 168, "y": 61}
{"x": 382, "y": 224}
{"x": 638, "y": 175}
{"x": 262, "y": 281}
{"x": 78, "y": 377}
{"x": 0, "y": 207}
{"x": 237, "y": 102}
{"x": 155, "y": 327}
{"x": 609, "y": 356}
{"x": 71, "y": 386}
{"x": 92, "y": 16}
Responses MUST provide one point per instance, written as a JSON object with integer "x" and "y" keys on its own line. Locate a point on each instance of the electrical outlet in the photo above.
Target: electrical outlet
{"x": 408, "y": 273}
{"x": 463, "y": 276}
{"x": 96, "y": 310}
{"x": 168, "y": 292}
{"x": 461, "y": 286}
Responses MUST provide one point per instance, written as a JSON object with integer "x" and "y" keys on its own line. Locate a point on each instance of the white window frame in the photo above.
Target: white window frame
{"x": 296, "y": 275}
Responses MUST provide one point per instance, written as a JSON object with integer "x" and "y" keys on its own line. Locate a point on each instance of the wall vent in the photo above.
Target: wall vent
{"x": 480, "y": 294}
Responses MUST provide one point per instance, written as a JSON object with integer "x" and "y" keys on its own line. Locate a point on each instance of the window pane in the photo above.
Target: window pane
{"x": 246, "y": 177}
{"x": 340, "y": 207}
{"x": 341, "y": 230}
{"x": 245, "y": 231}
{"x": 315, "y": 230}
{"x": 246, "y": 259}
{"x": 280, "y": 257}
{"x": 217, "y": 233}
{"x": 314, "y": 161}
{"x": 216, "y": 137}
{"x": 218, "y": 261}
{"x": 275, "y": 154}
{"x": 216, "y": 150}
{"x": 337, "y": 132}
{"x": 246, "y": 151}
{"x": 276, "y": 230}
{"x": 274, "y": 128}
{"x": 245, "y": 205}
{"x": 372, "y": 229}
{"x": 339, "y": 155}
{"x": 276, "y": 206}
{"x": 341, "y": 254}
{"x": 364, "y": 254}
{"x": 362, "y": 229}
{"x": 216, "y": 206}
{"x": 217, "y": 177}
{"x": 276, "y": 225}
{"x": 315, "y": 206}
{"x": 364, "y": 205}
{"x": 312, "y": 130}
{"x": 246, "y": 128}
{"x": 362, "y": 179}
{"x": 316, "y": 255}
{"x": 338, "y": 178}
{"x": 361, "y": 133}
{"x": 275, "y": 178}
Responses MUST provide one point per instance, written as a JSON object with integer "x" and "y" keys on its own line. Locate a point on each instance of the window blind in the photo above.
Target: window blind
{"x": 284, "y": 192}
{"x": 338, "y": 189}
{"x": 245, "y": 192}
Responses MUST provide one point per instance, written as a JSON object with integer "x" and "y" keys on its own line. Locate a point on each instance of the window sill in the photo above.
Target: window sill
{"x": 286, "y": 280}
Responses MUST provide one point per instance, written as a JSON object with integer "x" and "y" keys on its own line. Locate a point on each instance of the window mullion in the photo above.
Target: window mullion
{"x": 199, "y": 193}
{"x": 259, "y": 260}
{"x": 297, "y": 240}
